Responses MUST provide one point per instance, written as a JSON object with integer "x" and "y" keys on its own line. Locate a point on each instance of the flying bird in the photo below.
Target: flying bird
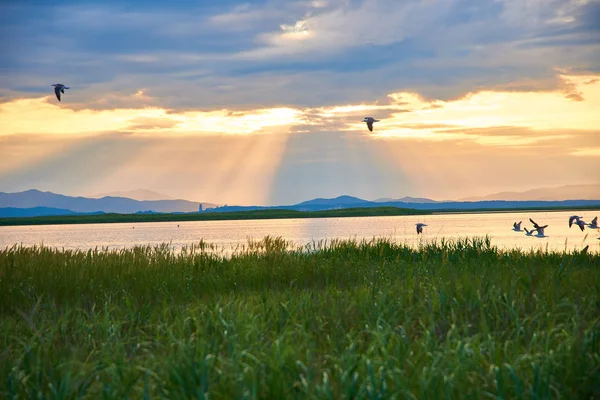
{"x": 58, "y": 89}
{"x": 370, "y": 121}
{"x": 538, "y": 228}
{"x": 517, "y": 226}
{"x": 528, "y": 232}
{"x": 535, "y": 224}
{"x": 572, "y": 219}
{"x": 420, "y": 227}
{"x": 581, "y": 224}
{"x": 594, "y": 223}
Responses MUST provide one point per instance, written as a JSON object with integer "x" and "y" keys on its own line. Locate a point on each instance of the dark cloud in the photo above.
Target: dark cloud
{"x": 230, "y": 54}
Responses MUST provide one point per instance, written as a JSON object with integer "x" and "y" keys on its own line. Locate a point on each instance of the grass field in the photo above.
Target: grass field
{"x": 258, "y": 214}
{"x": 374, "y": 320}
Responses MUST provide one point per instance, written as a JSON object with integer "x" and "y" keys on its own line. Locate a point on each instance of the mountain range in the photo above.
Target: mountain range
{"x": 37, "y": 203}
{"x": 567, "y": 192}
{"x": 35, "y": 198}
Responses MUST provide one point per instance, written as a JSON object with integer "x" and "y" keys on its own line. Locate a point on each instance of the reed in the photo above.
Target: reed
{"x": 345, "y": 319}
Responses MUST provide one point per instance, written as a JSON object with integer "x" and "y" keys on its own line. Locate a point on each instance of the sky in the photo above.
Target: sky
{"x": 261, "y": 102}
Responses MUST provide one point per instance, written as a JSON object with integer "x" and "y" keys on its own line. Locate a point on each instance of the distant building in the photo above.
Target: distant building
{"x": 200, "y": 208}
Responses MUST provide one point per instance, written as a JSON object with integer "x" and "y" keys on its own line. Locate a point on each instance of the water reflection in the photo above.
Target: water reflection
{"x": 228, "y": 235}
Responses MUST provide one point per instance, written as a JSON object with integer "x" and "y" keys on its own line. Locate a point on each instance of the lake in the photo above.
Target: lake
{"x": 226, "y": 235}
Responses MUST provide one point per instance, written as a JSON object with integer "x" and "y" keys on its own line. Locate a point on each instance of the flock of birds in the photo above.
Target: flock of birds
{"x": 536, "y": 228}
{"x": 573, "y": 220}
{"x": 59, "y": 89}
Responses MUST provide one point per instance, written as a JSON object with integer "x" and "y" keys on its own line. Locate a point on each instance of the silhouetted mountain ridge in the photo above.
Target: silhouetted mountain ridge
{"x": 36, "y": 198}
{"x": 336, "y": 201}
{"x": 36, "y": 203}
{"x": 567, "y": 192}
{"x": 406, "y": 199}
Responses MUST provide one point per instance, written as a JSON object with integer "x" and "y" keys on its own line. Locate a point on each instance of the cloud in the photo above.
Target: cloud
{"x": 403, "y": 114}
{"x": 294, "y": 53}
{"x": 500, "y": 86}
{"x": 149, "y": 123}
{"x": 41, "y": 116}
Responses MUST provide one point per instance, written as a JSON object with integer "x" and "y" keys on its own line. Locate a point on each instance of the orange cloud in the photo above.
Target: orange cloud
{"x": 405, "y": 115}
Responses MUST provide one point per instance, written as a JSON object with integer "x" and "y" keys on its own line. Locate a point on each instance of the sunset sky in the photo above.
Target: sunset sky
{"x": 261, "y": 102}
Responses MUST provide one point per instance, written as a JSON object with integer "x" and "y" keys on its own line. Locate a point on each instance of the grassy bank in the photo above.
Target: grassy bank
{"x": 347, "y": 320}
{"x": 210, "y": 216}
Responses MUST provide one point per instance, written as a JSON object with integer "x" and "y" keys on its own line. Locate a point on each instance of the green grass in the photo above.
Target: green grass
{"x": 458, "y": 320}
{"x": 210, "y": 216}
{"x": 260, "y": 214}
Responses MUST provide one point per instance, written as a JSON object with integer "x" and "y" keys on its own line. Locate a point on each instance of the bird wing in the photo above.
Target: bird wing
{"x": 595, "y": 221}
{"x": 571, "y": 220}
{"x": 535, "y": 225}
{"x": 57, "y": 92}
{"x": 370, "y": 126}
{"x": 581, "y": 225}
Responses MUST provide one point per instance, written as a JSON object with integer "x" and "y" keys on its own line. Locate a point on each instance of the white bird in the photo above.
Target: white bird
{"x": 58, "y": 89}
{"x": 572, "y": 218}
{"x": 594, "y": 224}
{"x": 420, "y": 227}
{"x": 370, "y": 121}
{"x": 538, "y": 228}
{"x": 517, "y": 226}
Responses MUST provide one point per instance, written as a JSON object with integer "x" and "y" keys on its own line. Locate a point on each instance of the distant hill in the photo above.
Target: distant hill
{"x": 37, "y": 203}
{"x": 406, "y": 200}
{"x": 33, "y": 212}
{"x": 568, "y": 192}
{"x": 321, "y": 204}
{"x": 137, "y": 194}
{"x": 36, "y": 198}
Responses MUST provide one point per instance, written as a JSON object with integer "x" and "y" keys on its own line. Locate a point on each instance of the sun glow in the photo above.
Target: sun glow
{"x": 556, "y": 110}
{"x": 39, "y": 116}
{"x": 405, "y": 115}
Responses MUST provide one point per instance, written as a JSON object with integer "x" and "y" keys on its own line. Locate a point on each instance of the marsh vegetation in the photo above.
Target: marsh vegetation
{"x": 344, "y": 319}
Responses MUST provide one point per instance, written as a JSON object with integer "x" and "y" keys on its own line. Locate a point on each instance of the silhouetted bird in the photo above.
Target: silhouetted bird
{"x": 420, "y": 227}
{"x": 581, "y": 224}
{"x": 572, "y": 219}
{"x": 517, "y": 227}
{"x": 58, "y": 89}
{"x": 370, "y": 121}
{"x": 594, "y": 223}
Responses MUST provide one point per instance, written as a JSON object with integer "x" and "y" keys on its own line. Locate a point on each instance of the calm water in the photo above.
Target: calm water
{"x": 229, "y": 234}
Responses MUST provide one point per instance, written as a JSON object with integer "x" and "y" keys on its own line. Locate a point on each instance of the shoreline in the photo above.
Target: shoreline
{"x": 263, "y": 214}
